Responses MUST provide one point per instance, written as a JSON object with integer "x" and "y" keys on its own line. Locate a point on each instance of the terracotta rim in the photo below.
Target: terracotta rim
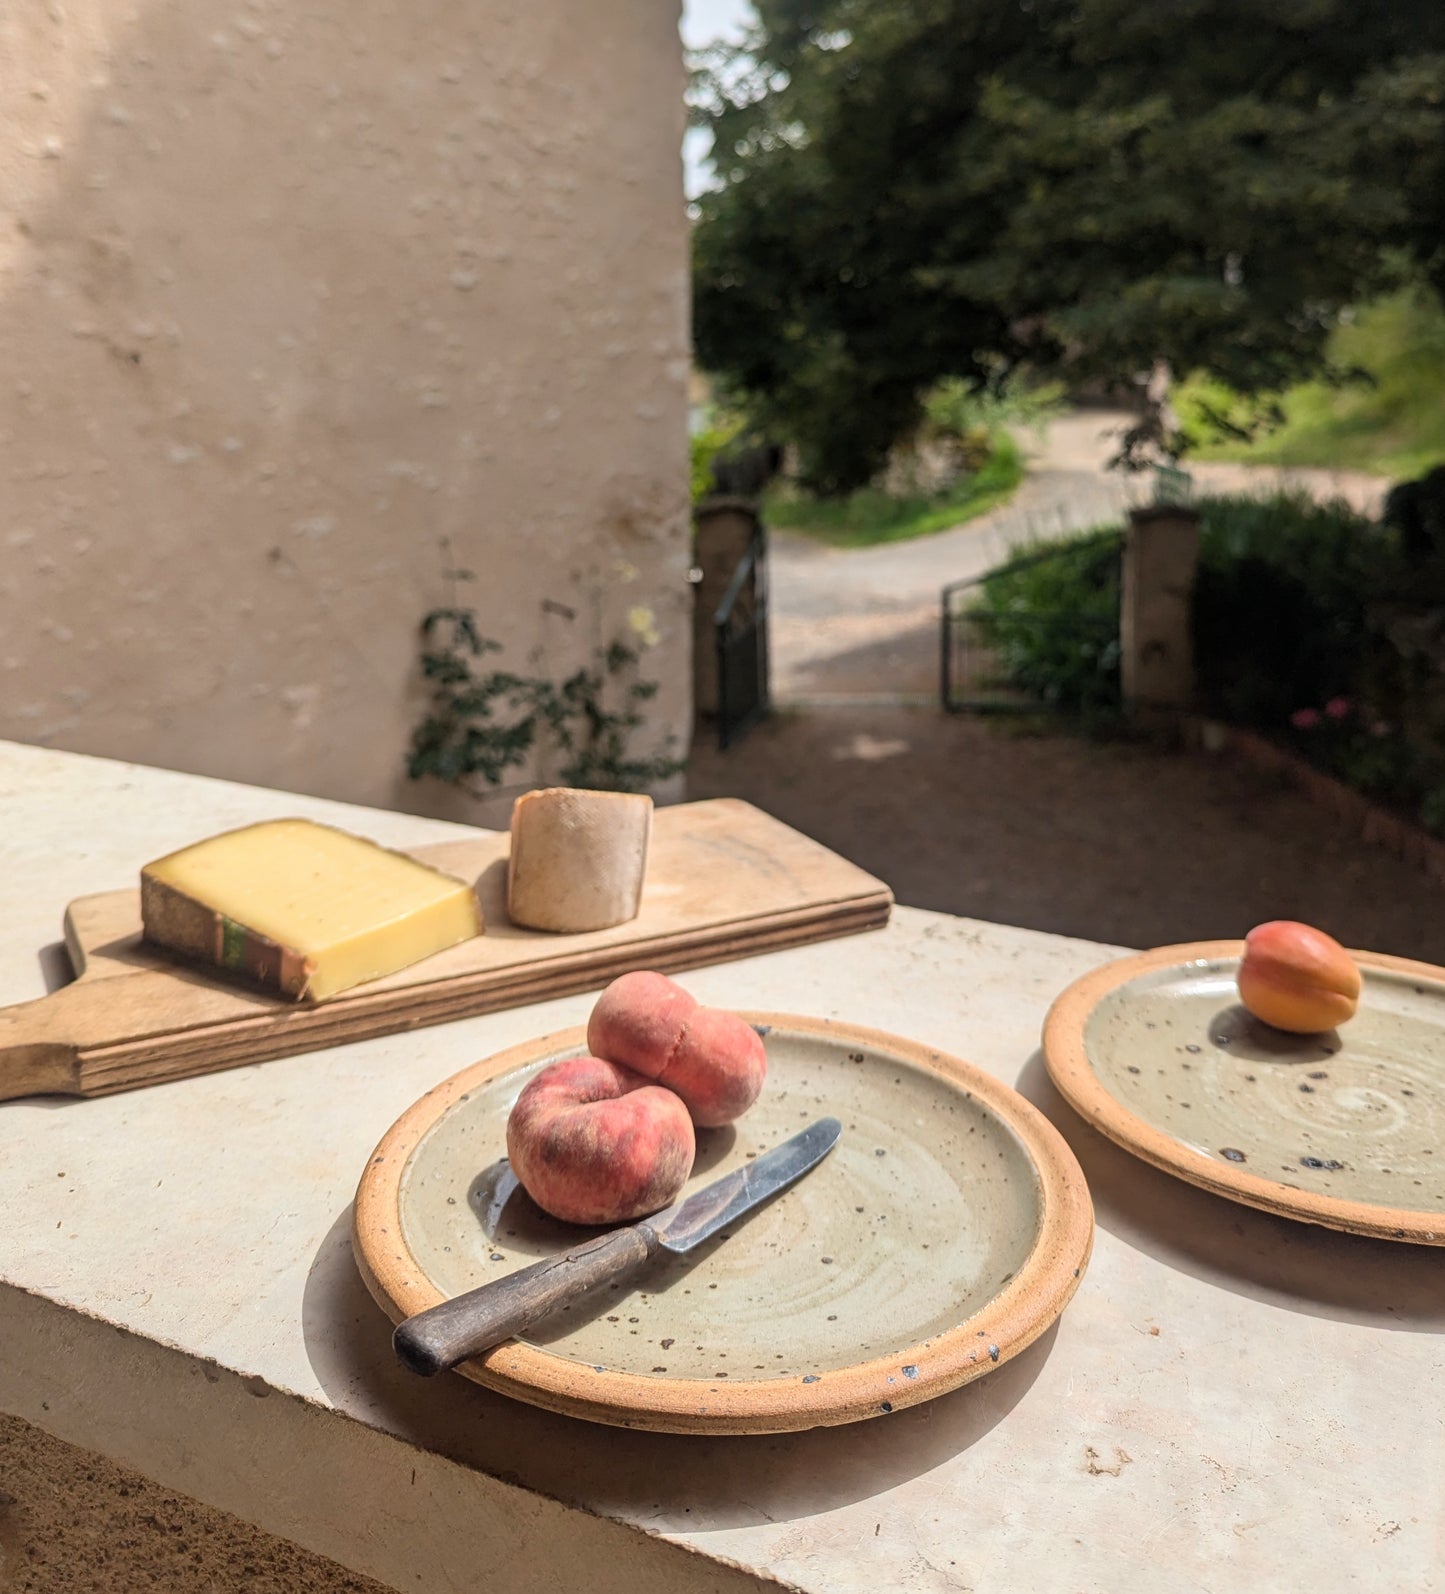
{"x": 1067, "y": 1058}
{"x": 1007, "y": 1324}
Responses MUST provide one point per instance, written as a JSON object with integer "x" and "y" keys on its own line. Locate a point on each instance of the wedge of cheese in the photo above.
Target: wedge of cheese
{"x": 302, "y": 910}
{"x": 578, "y": 858}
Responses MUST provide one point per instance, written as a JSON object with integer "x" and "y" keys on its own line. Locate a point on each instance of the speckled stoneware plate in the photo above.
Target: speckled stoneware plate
{"x": 1346, "y": 1129}
{"x": 943, "y": 1234}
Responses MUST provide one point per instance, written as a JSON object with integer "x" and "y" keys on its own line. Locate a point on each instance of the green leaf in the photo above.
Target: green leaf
{"x": 918, "y": 190}
{"x": 487, "y": 724}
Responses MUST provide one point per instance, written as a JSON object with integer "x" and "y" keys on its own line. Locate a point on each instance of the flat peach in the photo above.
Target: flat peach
{"x": 711, "y": 1058}
{"x": 718, "y": 1068}
{"x": 638, "y": 1021}
{"x": 592, "y": 1142}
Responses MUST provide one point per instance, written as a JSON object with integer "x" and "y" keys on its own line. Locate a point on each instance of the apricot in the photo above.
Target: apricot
{"x": 714, "y": 1060}
{"x": 1297, "y": 978}
{"x": 592, "y": 1142}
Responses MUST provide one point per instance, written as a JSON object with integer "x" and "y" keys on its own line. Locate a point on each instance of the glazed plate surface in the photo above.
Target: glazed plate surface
{"x": 1345, "y": 1128}
{"x": 944, "y": 1232}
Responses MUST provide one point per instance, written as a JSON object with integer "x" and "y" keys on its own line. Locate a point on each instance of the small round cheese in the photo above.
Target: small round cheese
{"x": 578, "y": 858}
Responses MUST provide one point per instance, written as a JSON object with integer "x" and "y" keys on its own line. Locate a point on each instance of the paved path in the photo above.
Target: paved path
{"x": 862, "y": 624}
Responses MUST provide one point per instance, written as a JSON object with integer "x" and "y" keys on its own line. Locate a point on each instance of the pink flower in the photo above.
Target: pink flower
{"x": 1305, "y": 719}
{"x": 1337, "y": 707}
{"x": 1380, "y": 728}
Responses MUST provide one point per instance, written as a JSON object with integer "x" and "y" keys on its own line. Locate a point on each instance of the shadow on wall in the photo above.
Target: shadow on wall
{"x": 288, "y": 296}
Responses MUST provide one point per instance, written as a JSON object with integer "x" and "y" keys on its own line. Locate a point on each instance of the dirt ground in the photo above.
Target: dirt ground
{"x": 1108, "y": 841}
{"x": 73, "y": 1522}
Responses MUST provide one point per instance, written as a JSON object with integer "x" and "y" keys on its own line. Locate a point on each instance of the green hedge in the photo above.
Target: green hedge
{"x": 1050, "y": 617}
{"x": 1287, "y": 636}
{"x": 1279, "y": 614}
{"x": 1280, "y": 603}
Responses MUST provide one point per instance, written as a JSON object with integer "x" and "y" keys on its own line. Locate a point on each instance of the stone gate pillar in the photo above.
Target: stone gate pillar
{"x": 1161, "y": 558}
{"x": 723, "y": 530}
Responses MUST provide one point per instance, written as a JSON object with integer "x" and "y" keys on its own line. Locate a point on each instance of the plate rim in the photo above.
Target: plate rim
{"x": 1067, "y": 1059}
{"x": 1009, "y": 1321}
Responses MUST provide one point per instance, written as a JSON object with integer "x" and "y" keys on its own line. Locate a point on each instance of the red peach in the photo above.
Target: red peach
{"x": 1297, "y": 978}
{"x": 591, "y": 1142}
{"x": 718, "y": 1067}
{"x": 638, "y": 1021}
{"x": 713, "y": 1059}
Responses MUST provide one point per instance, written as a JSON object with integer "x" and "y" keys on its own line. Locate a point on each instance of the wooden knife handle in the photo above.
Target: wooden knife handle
{"x": 466, "y": 1325}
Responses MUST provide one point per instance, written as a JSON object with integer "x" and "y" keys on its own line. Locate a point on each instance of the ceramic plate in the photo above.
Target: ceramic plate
{"x": 943, "y": 1234}
{"x": 1345, "y": 1129}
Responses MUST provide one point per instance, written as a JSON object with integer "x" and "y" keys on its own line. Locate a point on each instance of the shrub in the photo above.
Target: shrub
{"x": 1415, "y": 511}
{"x": 1051, "y": 619}
{"x": 1350, "y": 738}
{"x": 956, "y": 408}
{"x": 872, "y": 515}
{"x": 1279, "y": 612}
{"x": 1280, "y": 606}
{"x": 1288, "y": 631}
{"x": 704, "y": 447}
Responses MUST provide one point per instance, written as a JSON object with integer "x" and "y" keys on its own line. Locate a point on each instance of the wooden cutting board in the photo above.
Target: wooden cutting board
{"x": 724, "y": 880}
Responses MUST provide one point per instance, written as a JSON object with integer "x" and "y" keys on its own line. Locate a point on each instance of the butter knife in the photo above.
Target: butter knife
{"x": 471, "y": 1323}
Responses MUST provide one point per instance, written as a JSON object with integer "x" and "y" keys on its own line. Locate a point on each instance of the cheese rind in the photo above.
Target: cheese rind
{"x": 302, "y": 910}
{"x": 578, "y": 858}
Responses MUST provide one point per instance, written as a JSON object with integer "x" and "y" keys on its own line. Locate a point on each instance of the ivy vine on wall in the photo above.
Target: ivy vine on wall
{"x": 483, "y": 720}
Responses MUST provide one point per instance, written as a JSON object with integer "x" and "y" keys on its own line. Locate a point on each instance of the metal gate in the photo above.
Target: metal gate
{"x": 741, "y": 632}
{"x": 1008, "y": 646}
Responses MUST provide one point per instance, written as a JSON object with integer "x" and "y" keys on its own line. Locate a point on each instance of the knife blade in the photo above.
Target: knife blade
{"x": 438, "y": 1338}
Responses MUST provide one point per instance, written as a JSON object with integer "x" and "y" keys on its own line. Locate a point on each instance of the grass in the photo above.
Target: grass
{"x": 871, "y": 516}
{"x": 1393, "y": 425}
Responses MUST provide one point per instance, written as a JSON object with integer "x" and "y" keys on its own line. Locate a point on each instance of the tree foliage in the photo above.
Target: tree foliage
{"x": 914, "y": 189}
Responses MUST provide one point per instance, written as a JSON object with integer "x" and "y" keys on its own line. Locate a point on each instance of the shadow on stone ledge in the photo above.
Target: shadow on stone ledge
{"x": 665, "y": 1483}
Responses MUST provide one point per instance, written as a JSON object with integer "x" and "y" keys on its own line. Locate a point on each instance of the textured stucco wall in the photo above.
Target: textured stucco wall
{"x": 289, "y": 296}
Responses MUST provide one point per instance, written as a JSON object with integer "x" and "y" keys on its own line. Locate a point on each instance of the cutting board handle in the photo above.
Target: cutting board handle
{"x": 53, "y": 1043}
{"x": 39, "y": 1052}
